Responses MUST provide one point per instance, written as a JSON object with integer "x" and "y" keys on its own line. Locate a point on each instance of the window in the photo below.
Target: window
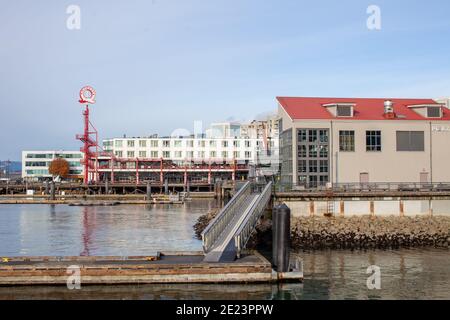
{"x": 302, "y": 151}
{"x": 142, "y": 143}
{"x": 225, "y": 144}
{"x": 154, "y": 154}
{"x": 301, "y": 135}
{"x": 166, "y": 154}
{"x": 373, "y": 140}
{"x": 154, "y": 143}
{"x": 118, "y": 143}
{"x": 312, "y": 165}
{"x": 166, "y": 143}
{"x": 323, "y": 136}
{"x": 323, "y": 180}
{"x": 177, "y": 144}
{"x": 344, "y": 111}
{"x": 224, "y": 154}
{"x": 410, "y": 141}
{"x": 323, "y": 151}
{"x": 434, "y": 112}
{"x": 119, "y": 154}
{"x": 212, "y": 143}
{"x": 130, "y": 143}
{"x": 312, "y": 153}
{"x": 347, "y": 141}
{"x": 248, "y": 144}
{"x": 201, "y": 154}
{"x": 236, "y": 143}
{"x": 248, "y": 154}
{"x": 190, "y": 143}
{"x": 201, "y": 143}
{"x": 190, "y": 154}
{"x": 212, "y": 154}
{"x": 142, "y": 154}
{"x": 312, "y": 135}
{"x": 35, "y": 164}
{"x": 323, "y": 166}
{"x": 178, "y": 154}
{"x": 130, "y": 154}
{"x": 302, "y": 166}
{"x": 236, "y": 154}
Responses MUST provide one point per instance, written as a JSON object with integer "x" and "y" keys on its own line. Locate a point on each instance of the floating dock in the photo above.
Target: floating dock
{"x": 170, "y": 267}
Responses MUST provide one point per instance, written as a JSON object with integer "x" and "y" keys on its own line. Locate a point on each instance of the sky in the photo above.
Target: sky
{"x": 160, "y": 65}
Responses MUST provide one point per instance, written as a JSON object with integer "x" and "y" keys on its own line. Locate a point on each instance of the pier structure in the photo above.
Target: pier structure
{"x": 226, "y": 236}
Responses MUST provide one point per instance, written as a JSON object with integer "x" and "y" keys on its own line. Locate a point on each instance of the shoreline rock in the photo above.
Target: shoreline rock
{"x": 368, "y": 233}
{"x": 203, "y": 221}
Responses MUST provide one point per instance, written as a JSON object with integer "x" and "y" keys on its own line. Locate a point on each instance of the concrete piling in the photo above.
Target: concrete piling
{"x": 52, "y": 191}
{"x": 149, "y": 191}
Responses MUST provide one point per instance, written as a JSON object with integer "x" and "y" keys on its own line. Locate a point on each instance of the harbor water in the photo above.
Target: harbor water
{"x": 60, "y": 230}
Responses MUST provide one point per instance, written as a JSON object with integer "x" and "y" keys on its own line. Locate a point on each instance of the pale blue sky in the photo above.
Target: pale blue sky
{"x": 159, "y": 65}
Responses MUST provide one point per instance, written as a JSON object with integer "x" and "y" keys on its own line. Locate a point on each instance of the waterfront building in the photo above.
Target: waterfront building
{"x": 35, "y": 164}
{"x": 327, "y": 141}
{"x": 222, "y": 153}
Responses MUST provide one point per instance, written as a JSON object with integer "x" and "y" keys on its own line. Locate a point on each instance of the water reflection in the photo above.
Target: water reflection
{"x": 120, "y": 230}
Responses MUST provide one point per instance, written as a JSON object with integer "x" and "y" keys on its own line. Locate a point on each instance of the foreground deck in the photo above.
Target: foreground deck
{"x": 185, "y": 267}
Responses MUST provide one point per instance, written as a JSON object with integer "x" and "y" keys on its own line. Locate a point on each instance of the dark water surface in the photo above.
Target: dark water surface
{"x": 138, "y": 230}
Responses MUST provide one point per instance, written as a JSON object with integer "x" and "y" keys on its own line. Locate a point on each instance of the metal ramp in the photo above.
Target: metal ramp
{"x": 226, "y": 236}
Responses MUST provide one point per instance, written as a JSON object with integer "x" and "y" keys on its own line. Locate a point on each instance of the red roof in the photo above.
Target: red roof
{"x": 364, "y": 109}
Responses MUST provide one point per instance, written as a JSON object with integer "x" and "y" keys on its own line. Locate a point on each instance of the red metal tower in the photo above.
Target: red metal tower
{"x": 89, "y": 137}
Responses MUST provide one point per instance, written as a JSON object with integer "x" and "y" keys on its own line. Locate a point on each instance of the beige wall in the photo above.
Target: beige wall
{"x": 389, "y": 165}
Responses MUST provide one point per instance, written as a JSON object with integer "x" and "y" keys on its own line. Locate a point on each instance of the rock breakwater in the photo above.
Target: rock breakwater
{"x": 366, "y": 232}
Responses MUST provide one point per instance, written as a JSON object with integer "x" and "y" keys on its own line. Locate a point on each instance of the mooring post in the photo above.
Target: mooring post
{"x": 274, "y": 235}
{"x": 52, "y": 191}
{"x": 166, "y": 186}
{"x": 188, "y": 188}
{"x": 107, "y": 186}
{"x": 149, "y": 191}
{"x": 281, "y": 232}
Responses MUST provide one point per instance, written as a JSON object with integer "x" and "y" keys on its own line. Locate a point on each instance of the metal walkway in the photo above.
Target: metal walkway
{"x": 226, "y": 236}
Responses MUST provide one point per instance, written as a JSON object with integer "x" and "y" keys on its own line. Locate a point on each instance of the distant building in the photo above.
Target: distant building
{"x": 223, "y": 153}
{"x": 356, "y": 140}
{"x": 35, "y": 164}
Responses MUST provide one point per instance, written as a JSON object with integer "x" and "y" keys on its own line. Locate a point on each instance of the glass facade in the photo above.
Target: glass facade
{"x": 313, "y": 156}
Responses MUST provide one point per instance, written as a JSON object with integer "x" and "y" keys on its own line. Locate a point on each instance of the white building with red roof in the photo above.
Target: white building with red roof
{"x": 359, "y": 140}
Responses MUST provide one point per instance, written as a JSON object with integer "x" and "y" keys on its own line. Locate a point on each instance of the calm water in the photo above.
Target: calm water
{"x": 126, "y": 230}
{"x": 61, "y": 230}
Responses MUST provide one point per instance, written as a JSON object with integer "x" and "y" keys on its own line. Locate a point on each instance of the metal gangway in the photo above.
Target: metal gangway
{"x": 227, "y": 235}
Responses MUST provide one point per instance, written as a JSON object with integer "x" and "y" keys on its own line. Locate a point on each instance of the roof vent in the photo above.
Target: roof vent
{"x": 389, "y": 109}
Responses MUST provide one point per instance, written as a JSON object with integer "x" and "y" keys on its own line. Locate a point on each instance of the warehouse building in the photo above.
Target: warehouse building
{"x": 327, "y": 141}
{"x": 35, "y": 164}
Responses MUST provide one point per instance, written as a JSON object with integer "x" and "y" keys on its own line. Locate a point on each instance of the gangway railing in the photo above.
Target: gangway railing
{"x": 221, "y": 221}
{"x": 246, "y": 229}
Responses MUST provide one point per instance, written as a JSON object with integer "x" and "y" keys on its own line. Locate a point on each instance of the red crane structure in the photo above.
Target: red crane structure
{"x": 90, "y": 136}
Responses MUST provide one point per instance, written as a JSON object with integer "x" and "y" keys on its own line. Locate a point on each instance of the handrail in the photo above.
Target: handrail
{"x": 217, "y": 225}
{"x": 245, "y": 230}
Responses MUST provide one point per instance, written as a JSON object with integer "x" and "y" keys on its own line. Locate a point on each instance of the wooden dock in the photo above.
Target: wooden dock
{"x": 171, "y": 267}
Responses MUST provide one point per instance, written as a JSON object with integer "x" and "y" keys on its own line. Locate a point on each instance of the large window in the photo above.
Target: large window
{"x": 313, "y": 157}
{"x": 347, "y": 140}
{"x": 130, "y": 143}
{"x": 373, "y": 140}
{"x": 410, "y": 141}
